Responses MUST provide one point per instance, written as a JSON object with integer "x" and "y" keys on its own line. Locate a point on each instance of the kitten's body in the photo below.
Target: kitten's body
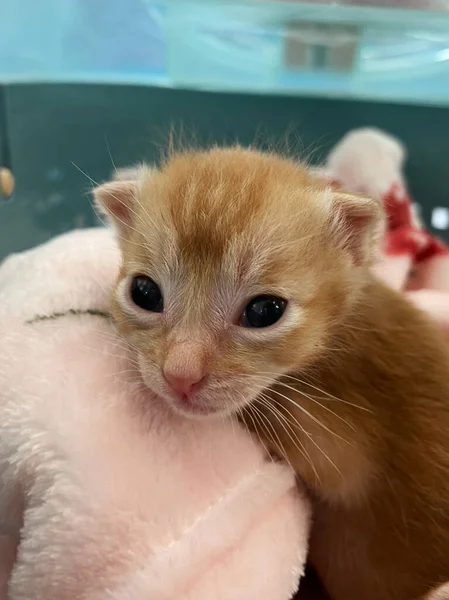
{"x": 382, "y": 508}
{"x": 352, "y": 382}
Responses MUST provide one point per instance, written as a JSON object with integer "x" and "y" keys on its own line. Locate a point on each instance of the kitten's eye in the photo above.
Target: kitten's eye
{"x": 146, "y": 294}
{"x": 263, "y": 311}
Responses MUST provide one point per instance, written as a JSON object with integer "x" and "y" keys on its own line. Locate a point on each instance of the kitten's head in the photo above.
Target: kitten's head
{"x": 237, "y": 266}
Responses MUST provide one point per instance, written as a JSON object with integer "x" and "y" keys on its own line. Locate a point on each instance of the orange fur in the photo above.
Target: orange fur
{"x": 351, "y": 386}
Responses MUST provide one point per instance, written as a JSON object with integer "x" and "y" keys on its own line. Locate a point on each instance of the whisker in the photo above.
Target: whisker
{"x": 313, "y": 399}
{"x": 310, "y": 415}
{"x": 295, "y": 440}
{"x": 316, "y": 401}
{"x": 257, "y": 415}
{"x": 304, "y": 382}
{"x": 134, "y": 371}
{"x": 304, "y": 410}
{"x": 224, "y": 420}
{"x": 117, "y": 343}
{"x": 110, "y": 354}
{"x": 109, "y": 152}
{"x": 277, "y": 442}
{"x": 92, "y": 181}
{"x": 306, "y": 433}
{"x": 248, "y": 411}
{"x": 310, "y": 437}
{"x": 364, "y": 329}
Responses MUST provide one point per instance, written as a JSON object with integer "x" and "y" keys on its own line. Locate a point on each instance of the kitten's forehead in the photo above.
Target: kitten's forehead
{"x": 232, "y": 208}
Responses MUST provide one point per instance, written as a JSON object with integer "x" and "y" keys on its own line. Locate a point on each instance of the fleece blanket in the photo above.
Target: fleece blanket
{"x": 105, "y": 494}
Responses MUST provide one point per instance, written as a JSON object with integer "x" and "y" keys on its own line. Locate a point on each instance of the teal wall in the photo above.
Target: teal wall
{"x": 44, "y": 129}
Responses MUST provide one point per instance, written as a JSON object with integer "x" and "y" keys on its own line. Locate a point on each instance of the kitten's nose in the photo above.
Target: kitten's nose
{"x": 183, "y": 384}
{"x": 185, "y": 367}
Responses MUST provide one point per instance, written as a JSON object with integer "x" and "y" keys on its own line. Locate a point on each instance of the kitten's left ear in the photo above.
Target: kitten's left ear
{"x": 359, "y": 222}
{"x": 115, "y": 200}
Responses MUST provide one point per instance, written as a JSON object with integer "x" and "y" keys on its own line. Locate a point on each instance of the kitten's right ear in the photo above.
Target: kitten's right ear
{"x": 115, "y": 200}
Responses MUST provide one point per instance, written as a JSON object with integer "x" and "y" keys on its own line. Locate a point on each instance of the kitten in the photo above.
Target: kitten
{"x": 246, "y": 287}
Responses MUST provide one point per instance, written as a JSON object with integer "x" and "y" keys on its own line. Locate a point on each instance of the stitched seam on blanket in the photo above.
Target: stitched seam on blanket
{"x": 71, "y": 312}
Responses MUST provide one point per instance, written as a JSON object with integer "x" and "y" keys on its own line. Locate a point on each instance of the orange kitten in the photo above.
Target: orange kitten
{"x": 245, "y": 286}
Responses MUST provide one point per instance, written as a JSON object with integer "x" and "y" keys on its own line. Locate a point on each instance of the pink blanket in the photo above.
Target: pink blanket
{"x": 104, "y": 493}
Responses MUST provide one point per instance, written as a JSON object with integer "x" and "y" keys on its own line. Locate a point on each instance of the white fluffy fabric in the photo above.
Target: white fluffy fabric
{"x": 104, "y": 493}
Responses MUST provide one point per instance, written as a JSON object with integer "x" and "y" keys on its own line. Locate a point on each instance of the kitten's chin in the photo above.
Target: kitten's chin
{"x": 193, "y": 410}
{"x": 193, "y": 407}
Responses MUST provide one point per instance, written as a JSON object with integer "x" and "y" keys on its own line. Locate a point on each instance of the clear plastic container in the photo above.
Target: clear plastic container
{"x": 315, "y": 48}
{"x": 341, "y": 49}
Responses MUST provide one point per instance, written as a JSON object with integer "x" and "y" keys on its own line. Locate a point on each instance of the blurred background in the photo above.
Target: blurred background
{"x": 87, "y": 84}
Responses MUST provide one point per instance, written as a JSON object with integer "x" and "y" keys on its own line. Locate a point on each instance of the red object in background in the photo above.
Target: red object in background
{"x": 404, "y": 234}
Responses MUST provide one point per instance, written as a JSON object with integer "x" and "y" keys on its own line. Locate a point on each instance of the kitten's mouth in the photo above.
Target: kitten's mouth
{"x": 191, "y": 406}
{"x": 197, "y": 406}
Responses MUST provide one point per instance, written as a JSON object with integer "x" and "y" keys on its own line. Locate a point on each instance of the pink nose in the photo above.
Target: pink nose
{"x": 183, "y": 385}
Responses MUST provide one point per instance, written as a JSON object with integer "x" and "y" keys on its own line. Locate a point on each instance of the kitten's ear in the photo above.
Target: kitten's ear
{"x": 359, "y": 221}
{"x": 115, "y": 200}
